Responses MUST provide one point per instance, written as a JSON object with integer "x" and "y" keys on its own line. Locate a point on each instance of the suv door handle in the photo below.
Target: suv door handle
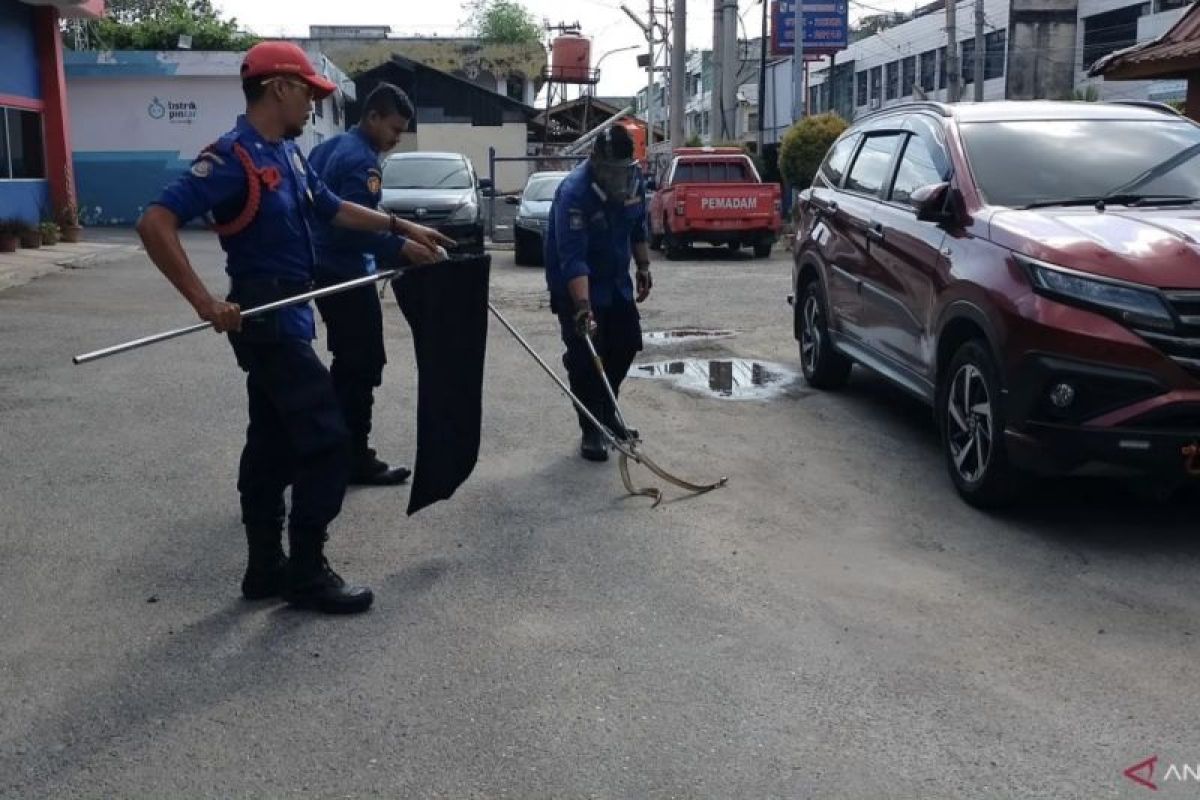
{"x": 875, "y": 231}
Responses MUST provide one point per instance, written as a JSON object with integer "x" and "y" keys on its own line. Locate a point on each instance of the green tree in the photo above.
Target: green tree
{"x": 502, "y": 21}
{"x": 804, "y": 147}
{"x": 158, "y": 24}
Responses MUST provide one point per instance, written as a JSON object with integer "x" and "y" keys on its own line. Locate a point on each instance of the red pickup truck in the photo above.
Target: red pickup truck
{"x": 714, "y": 195}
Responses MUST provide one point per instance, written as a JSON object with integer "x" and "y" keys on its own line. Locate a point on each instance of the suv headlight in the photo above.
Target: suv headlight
{"x": 1127, "y": 303}
{"x": 467, "y": 212}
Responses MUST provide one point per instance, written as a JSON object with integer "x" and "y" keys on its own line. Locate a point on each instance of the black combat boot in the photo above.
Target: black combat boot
{"x": 312, "y": 583}
{"x": 369, "y": 470}
{"x": 594, "y": 447}
{"x": 266, "y": 574}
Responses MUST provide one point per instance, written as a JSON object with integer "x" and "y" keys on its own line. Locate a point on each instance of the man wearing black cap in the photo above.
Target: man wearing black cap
{"x": 598, "y": 220}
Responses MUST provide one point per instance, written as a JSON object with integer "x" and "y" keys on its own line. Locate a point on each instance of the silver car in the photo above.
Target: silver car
{"x": 440, "y": 190}
{"x": 533, "y": 216}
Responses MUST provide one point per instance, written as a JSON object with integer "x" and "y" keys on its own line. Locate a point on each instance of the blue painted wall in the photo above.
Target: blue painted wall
{"x": 19, "y": 72}
{"x": 25, "y": 200}
{"x": 114, "y": 187}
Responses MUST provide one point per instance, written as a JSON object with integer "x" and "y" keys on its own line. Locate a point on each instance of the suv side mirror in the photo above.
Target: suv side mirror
{"x": 485, "y": 185}
{"x": 935, "y": 203}
{"x": 513, "y": 199}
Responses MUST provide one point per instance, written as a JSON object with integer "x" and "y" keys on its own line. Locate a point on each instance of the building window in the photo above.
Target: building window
{"x": 752, "y": 121}
{"x": 1170, "y": 5}
{"x": 861, "y": 87}
{"x": 336, "y": 107}
{"x": 967, "y": 64}
{"x": 995, "y": 49}
{"x": 814, "y": 99}
{"x": 928, "y": 70}
{"x": 908, "y": 77}
{"x": 1107, "y": 33}
{"x": 22, "y": 153}
{"x": 516, "y": 88}
{"x": 876, "y": 83}
{"x": 942, "y": 64}
{"x": 893, "y": 80}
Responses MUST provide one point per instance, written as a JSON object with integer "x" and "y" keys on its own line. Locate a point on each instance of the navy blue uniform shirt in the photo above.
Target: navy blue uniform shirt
{"x": 590, "y": 236}
{"x": 278, "y": 243}
{"x": 349, "y": 166}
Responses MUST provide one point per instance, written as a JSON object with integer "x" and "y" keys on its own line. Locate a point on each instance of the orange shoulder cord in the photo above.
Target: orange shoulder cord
{"x": 255, "y": 179}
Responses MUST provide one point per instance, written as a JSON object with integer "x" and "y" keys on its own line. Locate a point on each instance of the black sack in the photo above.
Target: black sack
{"x": 446, "y": 307}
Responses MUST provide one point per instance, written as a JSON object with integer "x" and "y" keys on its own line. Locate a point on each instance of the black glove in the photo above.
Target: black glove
{"x": 585, "y": 321}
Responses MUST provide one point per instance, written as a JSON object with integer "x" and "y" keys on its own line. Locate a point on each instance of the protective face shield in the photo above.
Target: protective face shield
{"x": 617, "y": 179}
{"x": 613, "y": 166}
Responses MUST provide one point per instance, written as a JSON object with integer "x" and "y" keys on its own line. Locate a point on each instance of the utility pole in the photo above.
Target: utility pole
{"x": 715, "y": 96}
{"x": 953, "y": 71}
{"x": 980, "y": 52}
{"x": 678, "y": 72}
{"x": 762, "y": 82}
{"x": 798, "y": 98}
{"x": 733, "y": 68}
{"x": 649, "y": 31}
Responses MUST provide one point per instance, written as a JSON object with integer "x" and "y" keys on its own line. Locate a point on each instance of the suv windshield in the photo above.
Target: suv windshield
{"x": 1048, "y": 162}
{"x": 425, "y": 173}
{"x": 541, "y": 190}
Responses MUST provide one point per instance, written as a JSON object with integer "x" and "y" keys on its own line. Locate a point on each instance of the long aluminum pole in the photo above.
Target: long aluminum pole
{"x": 145, "y": 341}
{"x": 678, "y": 72}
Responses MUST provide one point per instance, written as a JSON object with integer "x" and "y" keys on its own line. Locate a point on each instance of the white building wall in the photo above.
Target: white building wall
{"x": 1150, "y": 27}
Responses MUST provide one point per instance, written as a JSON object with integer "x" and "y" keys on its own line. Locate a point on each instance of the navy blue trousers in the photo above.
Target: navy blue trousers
{"x": 618, "y": 340}
{"x": 354, "y": 322}
{"x": 296, "y": 436}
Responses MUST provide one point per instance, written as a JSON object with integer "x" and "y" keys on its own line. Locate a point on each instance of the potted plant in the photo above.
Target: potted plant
{"x": 49, "y": 231}
{"x": 68, "y": 223}
{"x": 31, "y": 236}
{"x": 10, "y": 235}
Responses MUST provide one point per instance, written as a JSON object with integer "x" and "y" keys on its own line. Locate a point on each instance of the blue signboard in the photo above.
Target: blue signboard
{"x": 826, "y": 26}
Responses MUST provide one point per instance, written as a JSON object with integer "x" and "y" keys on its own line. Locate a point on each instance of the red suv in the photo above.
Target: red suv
{"x": 1031, "y": 270}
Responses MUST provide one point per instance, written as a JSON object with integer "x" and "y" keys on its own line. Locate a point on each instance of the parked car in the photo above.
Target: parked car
{"x": 440, "y": 190}
{"x": 714, "y": 195}
{"x": 1031, "y": 270}
{"x": 533, "y": 216}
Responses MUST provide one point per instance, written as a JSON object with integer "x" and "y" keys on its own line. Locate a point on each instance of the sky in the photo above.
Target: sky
{"x": 602, "y": 20}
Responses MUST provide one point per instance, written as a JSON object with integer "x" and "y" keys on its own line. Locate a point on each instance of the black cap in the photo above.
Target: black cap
{"x": 614, "y": 144}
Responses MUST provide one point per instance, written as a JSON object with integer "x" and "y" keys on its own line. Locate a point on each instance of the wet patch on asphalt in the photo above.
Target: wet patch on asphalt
{"x": 681, "y": 336}
{"x": 724, "y": 379}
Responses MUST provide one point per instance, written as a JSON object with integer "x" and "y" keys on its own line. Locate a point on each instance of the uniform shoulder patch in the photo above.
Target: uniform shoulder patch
{"x": 202, "y": 167}
{"x": 374, "y": 181}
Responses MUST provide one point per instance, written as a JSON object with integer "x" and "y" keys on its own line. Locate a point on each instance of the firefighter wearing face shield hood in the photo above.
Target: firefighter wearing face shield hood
{"x": 597, "y": 223}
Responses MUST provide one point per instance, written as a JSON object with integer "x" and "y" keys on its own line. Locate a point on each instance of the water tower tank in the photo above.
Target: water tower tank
{"x": 571, "y": 59}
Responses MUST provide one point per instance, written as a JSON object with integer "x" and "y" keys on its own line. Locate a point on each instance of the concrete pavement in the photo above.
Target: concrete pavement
{"x": 833, "y": 624}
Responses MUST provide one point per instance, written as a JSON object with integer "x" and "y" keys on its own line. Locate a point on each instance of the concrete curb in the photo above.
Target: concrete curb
{"x": 23, "y": 266}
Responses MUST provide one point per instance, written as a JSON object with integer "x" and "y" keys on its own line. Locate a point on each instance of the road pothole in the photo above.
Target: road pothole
{"x": 726, "y": 379}
{"x": 685, "y": 336}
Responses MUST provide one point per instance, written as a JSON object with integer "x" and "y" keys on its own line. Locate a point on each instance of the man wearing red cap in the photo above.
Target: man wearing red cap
{"x": 264, "y": 201}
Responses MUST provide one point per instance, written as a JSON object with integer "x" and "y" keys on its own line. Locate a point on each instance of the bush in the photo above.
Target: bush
{"x": 805, "y": 145}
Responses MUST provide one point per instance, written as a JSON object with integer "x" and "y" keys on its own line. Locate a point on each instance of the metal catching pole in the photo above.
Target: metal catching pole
{"x": 125, "y": 347}
{"x": 630, "y": 450}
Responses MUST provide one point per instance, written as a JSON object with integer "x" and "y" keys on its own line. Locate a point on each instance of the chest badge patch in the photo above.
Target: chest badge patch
{"x": 576, "y": 219}
{"x": 374, "y": 183}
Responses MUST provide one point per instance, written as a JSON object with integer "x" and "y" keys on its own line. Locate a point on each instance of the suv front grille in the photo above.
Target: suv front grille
{"x": 1183, "y": 344}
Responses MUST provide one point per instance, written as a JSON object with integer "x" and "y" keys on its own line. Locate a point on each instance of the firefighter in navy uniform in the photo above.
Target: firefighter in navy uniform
{"x": 598, "y": 220}
{"x": 264, "y": 200}
{"x": 349, "y": 165}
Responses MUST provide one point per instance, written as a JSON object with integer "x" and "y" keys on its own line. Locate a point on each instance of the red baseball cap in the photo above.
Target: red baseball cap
{"x": 284, "y": 58}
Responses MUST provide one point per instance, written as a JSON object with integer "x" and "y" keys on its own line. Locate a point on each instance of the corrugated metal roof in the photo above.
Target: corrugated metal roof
{"x": 1179, "y": 44}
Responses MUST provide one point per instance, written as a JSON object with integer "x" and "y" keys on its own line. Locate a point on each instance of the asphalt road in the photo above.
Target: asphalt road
{"x": 834, "y": 623}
